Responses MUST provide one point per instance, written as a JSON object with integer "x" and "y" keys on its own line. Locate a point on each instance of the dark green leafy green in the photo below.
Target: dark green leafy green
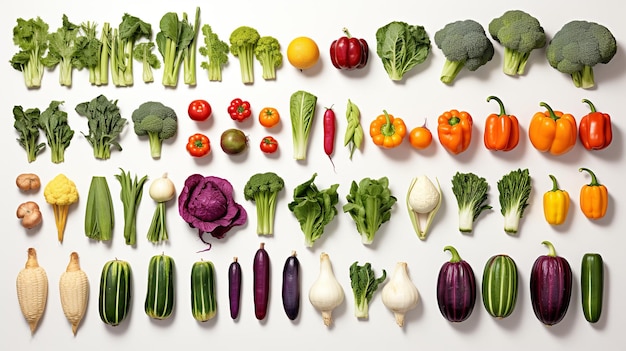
{"x": 401, "y": 47}
{"x": 27, "y": 125}
{"x": 105, "y": 125}
{"x": 364, "y": 284}
{"x": 130, "y": 30}
{"x": 174, "y": 37}
{"x": 31, "y": 36}
{"x": 470, "y": 191}
{"x": 58, "y": 132}
{"x": 64, "y": 50}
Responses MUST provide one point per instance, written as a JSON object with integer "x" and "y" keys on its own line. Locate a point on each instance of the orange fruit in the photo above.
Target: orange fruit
{"x": 420, "y": 137}
{"x": 303, "y": 53}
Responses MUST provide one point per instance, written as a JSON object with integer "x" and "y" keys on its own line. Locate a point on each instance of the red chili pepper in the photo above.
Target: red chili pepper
{"x": 198, "y": 145}
{"x": 349, "y": 53}
{"x": 269, "y": 145}
{"x": 239, "y": 110}
{"x": 595, "y": 129}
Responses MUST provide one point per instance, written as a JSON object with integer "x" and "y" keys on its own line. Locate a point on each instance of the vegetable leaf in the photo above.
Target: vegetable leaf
{"x": 105, "y": 125}
{"x": 470, "y": 191}
{"x": 58, "y": 133}
{"x": 364, "y": 284}
{"x": 514, "y": 189}
{"x": 27, "y": 125}
{"x": 302, "y": 112}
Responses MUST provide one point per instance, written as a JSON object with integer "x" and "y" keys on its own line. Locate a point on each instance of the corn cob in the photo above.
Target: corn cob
{"x": 74, "y": 291}
{"x": 32, "y": 290}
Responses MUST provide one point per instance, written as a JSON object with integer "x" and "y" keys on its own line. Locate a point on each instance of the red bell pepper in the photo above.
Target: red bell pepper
{"x": 239, "y": 110}
{"x": 595, "y": 129}
{"x": 349, "y": 53}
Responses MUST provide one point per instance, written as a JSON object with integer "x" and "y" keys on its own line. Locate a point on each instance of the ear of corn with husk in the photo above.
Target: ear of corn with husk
{"x": 74, "y": 292}
{"x": 32, "y": 290}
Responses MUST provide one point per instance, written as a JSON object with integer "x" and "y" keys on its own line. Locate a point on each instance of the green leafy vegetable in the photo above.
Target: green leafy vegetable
{"x": 267, "y": 51}
{"x": 130, "y": 30}
{"x": 143, "y": 53}
{"x": 58, "y": 132}
{"x": 263, "y": 189}
{"x": 364, "y": 284}
{"x": 173, "y": 40}
{"x": 131, "y": 193}
{"x": 26, "y": 123}
{"x": 302, "y": 111}
{"x": 189, "y": 59}
{"x": 401, "y": 47}
{"x": 31, "y": 36}
{"x": 369, "y": 204}
{"x": 470, "y": 191}
{"x": 99, "y": 215}
{"x": 91, "y": 47}
{"x": 64, "y": 50}
{"x": 314, "y": 208}
{"x": 216, "y": 53}
{"x": 514, "y": 189}
{"x": 243, "y": 40}
{"x": 105, "y": 125}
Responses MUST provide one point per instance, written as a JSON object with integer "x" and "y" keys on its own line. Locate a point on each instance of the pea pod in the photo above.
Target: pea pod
{"x": 592, "y": 286}
{"x": 353, "y": 137}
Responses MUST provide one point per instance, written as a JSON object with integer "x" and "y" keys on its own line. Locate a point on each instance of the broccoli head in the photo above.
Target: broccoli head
{"x": 519, "y": 33}
{"x": 243, "y": 40}
{"x": 579, "y": 46}
{"x": 157, "y": 121}
{"x": 263, "y": 189}
{"x": 464, "y": 44}
{"x": 267, "y": 51}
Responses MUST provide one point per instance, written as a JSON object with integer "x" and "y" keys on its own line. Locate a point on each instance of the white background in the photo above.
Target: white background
{"x": 418, "y": 97}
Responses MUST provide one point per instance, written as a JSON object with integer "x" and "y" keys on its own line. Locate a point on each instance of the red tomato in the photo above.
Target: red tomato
{"x": 199, "y": 110}
{"x": 269, "y": 145}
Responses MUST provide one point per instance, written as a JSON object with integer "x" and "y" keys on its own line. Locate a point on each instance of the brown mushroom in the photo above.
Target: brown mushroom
{"x": 28, "y": 181}
{"x": 30, "y": 215}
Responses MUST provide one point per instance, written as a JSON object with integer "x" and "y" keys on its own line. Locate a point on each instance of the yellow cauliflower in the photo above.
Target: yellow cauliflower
{"x": 60, "y": 192}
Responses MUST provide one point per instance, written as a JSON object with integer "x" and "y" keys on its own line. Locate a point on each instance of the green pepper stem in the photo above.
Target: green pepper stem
{"x": 455, "y": 254}
{"x": 555, "y": 186}
{"x": 387, "y": 129}
{"x": 550, "y": 111}
{"x": 502, "y": 113}
{"x": 551, "y": 250}
{"x": 593, "y": 108}
{"x": 594, "y": 179}
{"x": 345, "y": 30}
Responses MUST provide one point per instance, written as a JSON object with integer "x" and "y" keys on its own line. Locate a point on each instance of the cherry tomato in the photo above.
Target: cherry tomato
{"x": 269, "y": 145}
{"x": 199, "y": 110}
{"x": 269, "y": 117}
{"x": 420, "y": 137}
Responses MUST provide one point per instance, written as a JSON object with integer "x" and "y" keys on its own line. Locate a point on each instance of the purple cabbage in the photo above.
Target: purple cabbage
{"x": 207, "y": 204}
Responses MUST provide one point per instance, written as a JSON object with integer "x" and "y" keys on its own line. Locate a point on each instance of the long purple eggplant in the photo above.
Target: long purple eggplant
{"x": 550, "y": 286}
{"x": 234, "y": 287}
{"x": 456, "y": 288}
{"x": 291, "y": 286}
{"x": 261, "y": 270}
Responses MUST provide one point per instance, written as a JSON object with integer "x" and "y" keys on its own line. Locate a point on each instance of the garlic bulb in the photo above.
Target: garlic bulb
{"x": 326, "y": 293}
{"x": 400, "y": 294}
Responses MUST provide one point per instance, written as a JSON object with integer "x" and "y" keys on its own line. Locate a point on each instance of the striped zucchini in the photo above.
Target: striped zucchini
{"x": 592, "y": 286}
{"x": 499, "y": 286}
{"x": 160, "y": 293}
{"x": 115, "y": 292}
{"x": 203, "y": 297}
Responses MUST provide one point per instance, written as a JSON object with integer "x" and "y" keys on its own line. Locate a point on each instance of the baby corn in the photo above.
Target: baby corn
{"x": 74, "y": 292}
{"x": 32, "y": 290}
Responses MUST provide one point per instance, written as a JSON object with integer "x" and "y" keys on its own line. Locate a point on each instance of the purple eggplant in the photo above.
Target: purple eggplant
{"x": 550, "y": 286}
{"x": 261, "y": 270}
{"x": 456, "y": 288}
{"x": 234, "y": 287}
{"x": 291, "y": 287}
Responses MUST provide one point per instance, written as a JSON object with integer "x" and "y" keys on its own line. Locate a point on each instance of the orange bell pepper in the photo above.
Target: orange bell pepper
{"x": 555, "y": 204}
{"x": 595, "y": 129}
{"x": 454, "y": 129}
{"x": 387, "y": 131}
{"x": 594, "y": 197}
{"x": 502, "y": 130}
{"x": 552, "y": 131}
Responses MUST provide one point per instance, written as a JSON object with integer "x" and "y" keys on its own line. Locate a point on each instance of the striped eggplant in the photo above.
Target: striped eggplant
{"x": 160, "y": 293}
{"x": 115, "y": 292}
{"x": 291, "y": 287}
{"x": 592, "y": 286}
{"x": 234, "y": 287}
{"x": 550, "y": 286}
{"x": 456, "y": 288}
{"x": 203, "y": 297}
{"x": 261, "y": 281}
{"x": 499, "y": 286}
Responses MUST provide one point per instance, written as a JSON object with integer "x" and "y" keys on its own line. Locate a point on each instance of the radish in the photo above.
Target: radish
{"x": 329, "y": 133}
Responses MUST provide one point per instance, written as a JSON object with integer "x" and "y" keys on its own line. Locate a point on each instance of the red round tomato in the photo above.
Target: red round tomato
{"x": 199, "y": 110}
{"x": 269, "y": 145}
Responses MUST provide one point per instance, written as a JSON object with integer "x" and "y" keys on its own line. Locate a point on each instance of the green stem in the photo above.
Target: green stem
{"x": 555, "y": 186}
{"x": 551, "y": 250}
{"x": 593, "y": 108}
{"x": 594, "y": 179}
{"x": 550, "y": 111}
{"x": 455, "y": 255}
{"x": 502, "y": 113}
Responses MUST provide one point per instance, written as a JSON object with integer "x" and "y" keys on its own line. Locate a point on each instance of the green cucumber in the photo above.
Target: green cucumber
{"x": 592, "y": 286}
{"x": 499, "y": 286}
{"x": 203, "y": 297}
{"x": 160, "y": 293}
{"x": 115, "y": 292}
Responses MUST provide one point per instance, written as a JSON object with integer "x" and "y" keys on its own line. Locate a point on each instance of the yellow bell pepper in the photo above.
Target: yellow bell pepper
{"x": 555, "y": 204}
{"x": 594, "y": 197}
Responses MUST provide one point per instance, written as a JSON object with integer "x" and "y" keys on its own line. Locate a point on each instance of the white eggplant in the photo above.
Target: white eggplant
{"x": 423, "y": 200}
{"x": 400, "y": 295}
{"x": 326, "y": 293}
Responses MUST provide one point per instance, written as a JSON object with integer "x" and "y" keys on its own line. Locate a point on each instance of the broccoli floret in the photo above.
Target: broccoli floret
{"x": 263, "y": 189}
{"x": 143, "y": 53}
{"x": 579, "y": 46}
{"x": 519, "y": 33}
{"x": 464, "y": 44}
{"x": 267, "y": 51}
{"x": 243, "y": 40}
{"x": 157, "y": 121}
{"x": 216, "y": 53}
